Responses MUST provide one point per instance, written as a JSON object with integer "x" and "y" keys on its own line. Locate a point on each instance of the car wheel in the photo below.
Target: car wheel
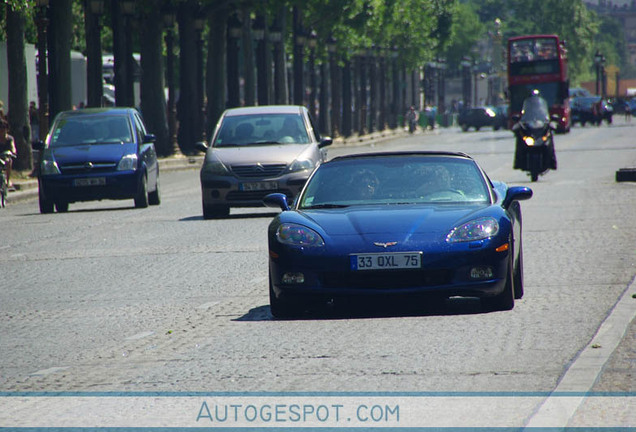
{"x": 61, "y": 206}
{"x": 518, "y": 274}
{"x": 153, "y": 197}
{"x": 46, "y": 206}
{"x": 215, "y": 211}
{"x": 280, "y": 308}
{"x": 477, "y": 128}
{"x": 141, "y": 200}
{"x": 464, "y": 128}
{"x": 506, "y": 300}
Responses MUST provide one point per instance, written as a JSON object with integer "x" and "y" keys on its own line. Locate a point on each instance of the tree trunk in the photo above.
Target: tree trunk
{"x": 186, "y": 105}
{"x": 153, "y": 99}
{"x": 18, "y": 99}
{"x": 60, "y": 32}
{"x": 216, "y": 78}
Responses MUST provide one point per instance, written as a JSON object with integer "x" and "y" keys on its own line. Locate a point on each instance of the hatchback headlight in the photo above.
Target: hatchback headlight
{"x": 478, "y": 229}
{"x": 298, "y": 235}
{"x": 214, "y": 167}
{"x": 49, "y": 167}
{"x": 302, "y": 165}
{"x": 128, "y": 163}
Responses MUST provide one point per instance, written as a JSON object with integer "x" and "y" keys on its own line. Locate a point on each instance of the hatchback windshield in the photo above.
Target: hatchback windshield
{"x": 103, "y": 129}
{"x": 395, "y": 180}
{"x": 261, "y": 129}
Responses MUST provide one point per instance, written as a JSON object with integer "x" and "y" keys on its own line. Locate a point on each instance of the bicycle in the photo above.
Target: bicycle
{"x": 4, "y": 184}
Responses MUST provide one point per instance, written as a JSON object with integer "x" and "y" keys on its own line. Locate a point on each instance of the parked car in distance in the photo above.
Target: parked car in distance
{"x": 584, "y": 111}
{"x": 478, "y": 117}
{"x": 383, "y": 225}
{"x": 95, "y": 154}
{"x": 255, "y": 151}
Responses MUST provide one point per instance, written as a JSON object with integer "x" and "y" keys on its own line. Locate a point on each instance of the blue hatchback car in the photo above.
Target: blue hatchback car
{"x": 389, "y": 224}
{"x": 95, "y": 154}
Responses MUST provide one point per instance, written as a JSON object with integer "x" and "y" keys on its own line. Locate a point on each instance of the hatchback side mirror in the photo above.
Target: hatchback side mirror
{"x": 201, "y": 146}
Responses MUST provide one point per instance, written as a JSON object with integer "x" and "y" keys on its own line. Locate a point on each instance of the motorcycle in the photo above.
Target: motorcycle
{"x": 534, "y": 133}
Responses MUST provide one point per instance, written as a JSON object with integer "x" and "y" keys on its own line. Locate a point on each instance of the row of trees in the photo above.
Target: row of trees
{"x": 356, "y": 64}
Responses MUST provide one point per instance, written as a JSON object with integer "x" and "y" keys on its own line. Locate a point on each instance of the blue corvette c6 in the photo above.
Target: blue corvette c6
{"x": 403, "y": 223}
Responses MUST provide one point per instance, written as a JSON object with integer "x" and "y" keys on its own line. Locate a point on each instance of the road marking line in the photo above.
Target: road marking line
{"x": 208, "y": 305}
{"x": 49, "y": 371}
{"x": 140, "y": 335}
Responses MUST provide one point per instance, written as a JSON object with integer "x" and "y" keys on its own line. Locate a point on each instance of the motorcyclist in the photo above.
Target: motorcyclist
{"x": 534, "y": 111}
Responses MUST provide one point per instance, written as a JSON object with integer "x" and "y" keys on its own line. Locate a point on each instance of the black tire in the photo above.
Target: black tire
{"x": 464, "y": 128}
{"x": 141, "y": 200}
{"x": 61, "y": 206}
{"x": 518, "y": 274}
{"x": 4, "y": 190}
{"x": 154, "y": 198}
{"x": 504, "y": 301}
{"x": 215, "y": 211}
{"x": 46, "y": 206}
{"x": 280, "y": 308}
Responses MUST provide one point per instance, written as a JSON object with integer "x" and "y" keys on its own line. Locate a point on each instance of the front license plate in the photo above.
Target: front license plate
{"x": 386, "y": 261}
{"x": 259, "y": 186}
{"x": 90, "y": 181}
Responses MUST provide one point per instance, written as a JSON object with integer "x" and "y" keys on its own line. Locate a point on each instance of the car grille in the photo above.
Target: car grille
{"x": 263, "y": 171}
{"x": 254, "y": 195}
{"x": 87, "y": 168}
{"x": 386, "y": 279}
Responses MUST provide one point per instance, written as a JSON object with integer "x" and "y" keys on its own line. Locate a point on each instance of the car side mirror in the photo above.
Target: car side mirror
{"x": 201, "y": 146}
{"x": 516, "y": 193}
{"x": 324, "y": 142}
{"x": 149, "y": 138}
{"x": 515, "y": 118}
{"x": 38, "y": 145}
{"x": 276, "y": 200}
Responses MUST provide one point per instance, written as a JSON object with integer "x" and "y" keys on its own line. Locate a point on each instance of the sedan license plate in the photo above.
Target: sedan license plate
{"x": 90, "y": 181}
{"x": 259, "y": 186}
{"x": 386, "y": 261}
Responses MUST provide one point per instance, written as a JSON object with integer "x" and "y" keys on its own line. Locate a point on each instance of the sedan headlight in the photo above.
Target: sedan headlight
{"x": 302, "y": 165}
{"x": 478, "y": 229}
{"x": 214, "y": 167}
{"x": 49, "y": 167}
{"x": 128, "y": 163}
{"x": 298, "y": 235}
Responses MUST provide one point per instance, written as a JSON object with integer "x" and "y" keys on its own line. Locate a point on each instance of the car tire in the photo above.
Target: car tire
{"x": 506, "y": 300}
{"x": 518, "y": 275}
{"x": 46, "y": 206}
{"x": 464, "y": 128}
{"x": 141, "y": 200}
{"x": 215, "y": 211}
{"x": 280, "y": 308}
{"x": 154, "y": 198}
{"x": 61, "y": 206}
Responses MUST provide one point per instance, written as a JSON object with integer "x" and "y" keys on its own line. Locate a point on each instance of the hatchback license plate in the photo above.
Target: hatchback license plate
{"x": 90, "y": 181}
{"x": 385, "y": 261}
{"x": 259, "y": 186}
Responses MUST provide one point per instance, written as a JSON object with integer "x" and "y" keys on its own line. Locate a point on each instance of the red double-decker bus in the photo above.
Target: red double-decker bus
{"x": 539, "y": 62}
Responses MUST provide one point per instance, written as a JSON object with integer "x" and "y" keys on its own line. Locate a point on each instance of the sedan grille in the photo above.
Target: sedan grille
{"x": 88, "y": 167}
{"x": 386, "y": 279}
{"x": 258, "y": 170}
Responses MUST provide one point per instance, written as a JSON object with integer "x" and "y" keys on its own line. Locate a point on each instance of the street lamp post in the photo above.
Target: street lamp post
{"x": 598, "y": 59}
{"x": 200, "y": 123}
{"x": 128, "y": 10}
{"x": 466, "y": 81}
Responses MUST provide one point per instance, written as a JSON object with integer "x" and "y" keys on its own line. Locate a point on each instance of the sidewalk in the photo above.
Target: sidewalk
{"x": 28, "y": 188}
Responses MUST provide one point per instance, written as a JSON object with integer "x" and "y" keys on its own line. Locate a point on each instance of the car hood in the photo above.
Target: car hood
{"x": 92, "y": 153}
{"x": 284, "y": 153}
{"x": 377, "y": 223}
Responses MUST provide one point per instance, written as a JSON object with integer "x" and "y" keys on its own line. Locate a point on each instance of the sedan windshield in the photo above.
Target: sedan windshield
{"x": 395, "y": 180}
{"x": 261, "y": 129}
{"x": 103, "y": 129}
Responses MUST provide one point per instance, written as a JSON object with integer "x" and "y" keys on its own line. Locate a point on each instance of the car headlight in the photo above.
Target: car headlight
{"x": 214, "y": 167}
{"x": 302, "y": 165}
{"x": 478, "y": 229}
{"x": 128, "y": 163}
{"x": 298, "y": 235}
{"x": 49, "y": 167}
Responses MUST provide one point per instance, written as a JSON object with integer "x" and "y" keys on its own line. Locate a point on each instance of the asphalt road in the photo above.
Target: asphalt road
{"x": 108, "y": 298}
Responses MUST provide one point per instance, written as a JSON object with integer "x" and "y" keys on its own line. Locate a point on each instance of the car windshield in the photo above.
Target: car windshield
{"x": 411, "y": 179}
{"x": 103, "y": 129}
{"x": 261, "y": 129}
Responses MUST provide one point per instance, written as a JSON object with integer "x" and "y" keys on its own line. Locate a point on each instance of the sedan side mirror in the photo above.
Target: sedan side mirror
{"x": 276, "y": 200}
{"x": 201, "y": 146}
{"x": 324, "y": 142}
{"x": 516, "y": 193}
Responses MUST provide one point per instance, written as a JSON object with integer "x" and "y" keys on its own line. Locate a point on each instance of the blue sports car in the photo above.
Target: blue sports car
{"x": 384, "y": 224}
